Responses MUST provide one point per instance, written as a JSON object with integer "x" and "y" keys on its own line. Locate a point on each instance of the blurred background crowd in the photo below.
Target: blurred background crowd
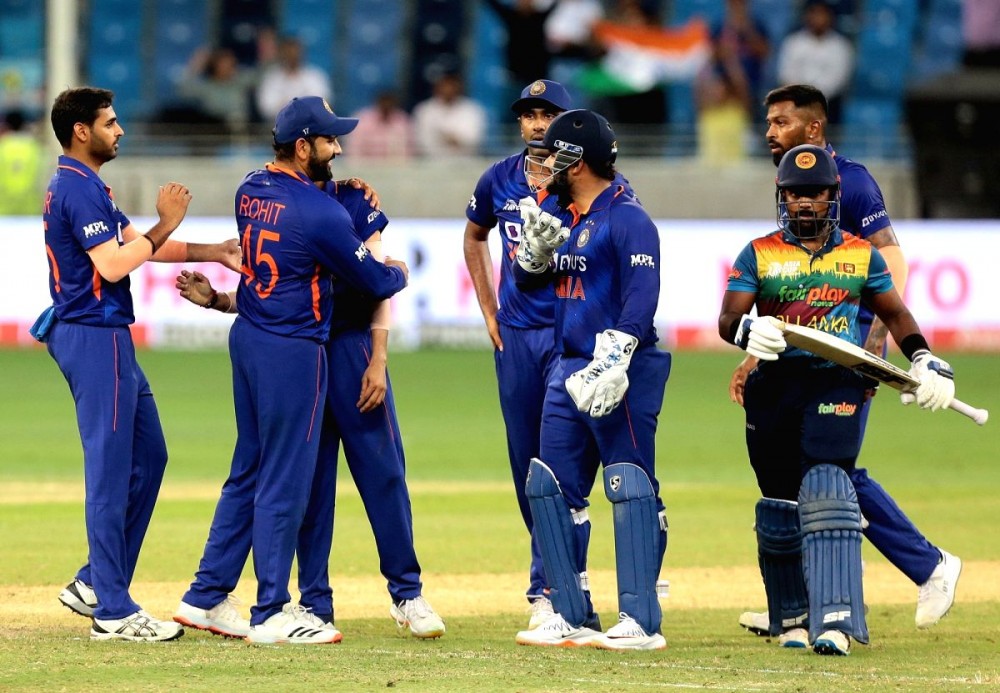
{"x": 434, "y": 78}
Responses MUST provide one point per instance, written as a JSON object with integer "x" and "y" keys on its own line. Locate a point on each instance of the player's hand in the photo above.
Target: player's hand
{"x": 172, "y": 204}
{"x": 738, "y": 382}
{"x": 541, "y": 235}
{"x": 195, "y": 287}
{"x": 760, "y": 337}
{"x": 937, "y": 382}
{"x": 493, "y": 329}
{"x": 360, "y": 184}
{"x": 600, "y": 386}
{"x": 373, "y": 387}
{"x": 230, "y": 254}
{"x": 389, "y": 262}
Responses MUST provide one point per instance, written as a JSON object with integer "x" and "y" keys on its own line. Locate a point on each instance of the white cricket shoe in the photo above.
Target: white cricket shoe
{"x": 794, "y": 637}
{"x": 317, "y": 622}
{"x": 627, "y": 634}
{"x": 291, "y": 626}
{"x": 79, "y": 597}
{"x": 419, "y": 616}
{"x": 937, "y": 594}
{"x": 541, "y": 611}
{"x": 557, "y": 632}
{"x": 757, "y": 622}
{"x": 222, "y": 619}
{"x": 138, "y": 627}
{"x": 832, "y": 642}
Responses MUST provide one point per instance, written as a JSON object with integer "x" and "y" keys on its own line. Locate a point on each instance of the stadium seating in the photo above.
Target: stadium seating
{"x": 370, "y": 55}
{"x": 316, "y": 23}
{"x": 114, "y": 55}
{"x": 180, "y": 28}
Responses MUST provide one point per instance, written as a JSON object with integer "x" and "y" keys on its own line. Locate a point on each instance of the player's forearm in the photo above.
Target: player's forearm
{"x": 480, "y": 265}
{"x": 380, "y": 346}
{"x": 898, "y": 267}
{"x": 114, "y": 262}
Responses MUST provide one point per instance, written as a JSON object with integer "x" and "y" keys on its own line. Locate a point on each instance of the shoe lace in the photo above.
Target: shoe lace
{"x": 626, "y": 626}
{"x": 416, "y": 608}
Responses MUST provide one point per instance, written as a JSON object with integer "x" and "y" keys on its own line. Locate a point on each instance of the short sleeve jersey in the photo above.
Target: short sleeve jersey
{"x": 607, "y": 274}
{"x": 352, "y": 308}
{"x": 294, "y": 237}
{"x": 80, "y": 214}
{"x": 496, "y": 200}
{"x": 822, "y": 291}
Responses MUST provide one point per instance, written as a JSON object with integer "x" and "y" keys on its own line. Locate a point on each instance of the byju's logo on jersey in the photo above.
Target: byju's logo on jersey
{"x": 642, "y": 260}
{"x": 361, "y": 253}
{"x": 372, "y": 216}
{"x": 94, "y": 229}
{"x": 511, "y": 206}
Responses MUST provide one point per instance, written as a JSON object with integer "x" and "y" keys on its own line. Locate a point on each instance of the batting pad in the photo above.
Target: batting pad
{"x": 831, "y": 537}
{"x": 639, "y": 537}
{"x": 554, "y": 529}
{"x": 779, "y": 552}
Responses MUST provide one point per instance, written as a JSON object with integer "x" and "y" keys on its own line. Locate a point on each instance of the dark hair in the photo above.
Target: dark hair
{"x": 286, "y": 150}
{"x": 607, "y": 170}
{"x": 799, "y": 94}
{"x": 78, "y": 105}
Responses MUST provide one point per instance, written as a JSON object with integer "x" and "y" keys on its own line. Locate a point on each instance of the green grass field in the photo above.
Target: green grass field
{"x": 940, "y": 467}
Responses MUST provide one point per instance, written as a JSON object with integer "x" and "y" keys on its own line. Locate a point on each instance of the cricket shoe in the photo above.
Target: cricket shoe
{"x": 937, "y": 594}
{"x": 627, "y": 634}
{"x": 795, "y": 638}
{"x": 832, "y": 642}
{"x": 757, "y": 622}
{"x": 222, "y": 619}
{"x": 293, "y": 625}
{"x": 317, "y": 622}
{"x": 79, "y": 597}
{"x": 557, "y": 632}
{"x": 540, "y": 610}
{"x": 419, "y": 616}
{"x": 138, "y": 627}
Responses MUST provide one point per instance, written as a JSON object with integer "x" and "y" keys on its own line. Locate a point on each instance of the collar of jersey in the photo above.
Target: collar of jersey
{"x": 602, "y": 201}
{"x": 836, "y": 238}
{"x": 68, "y": 163}
{"x": 275, "y": 168}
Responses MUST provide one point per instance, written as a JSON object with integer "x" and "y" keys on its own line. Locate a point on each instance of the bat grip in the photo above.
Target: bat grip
{"x": 980, "y": 416}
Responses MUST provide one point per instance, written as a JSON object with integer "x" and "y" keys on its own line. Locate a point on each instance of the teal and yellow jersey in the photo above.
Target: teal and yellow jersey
{"x": 824, "y": 290}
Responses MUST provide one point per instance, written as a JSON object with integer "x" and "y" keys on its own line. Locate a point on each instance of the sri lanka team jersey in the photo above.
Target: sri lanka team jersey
{"x": 79, "y": 214}
{"x": 496, "y": 200}
{"x": 294, "y": 237}
{"x": 607, "y": 274}
{"x": 822, "y": 291}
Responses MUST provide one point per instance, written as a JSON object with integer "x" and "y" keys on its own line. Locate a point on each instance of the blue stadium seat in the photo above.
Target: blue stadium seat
{"x": 873, "y": 128}
{"x": 486, "y": 81}
{"x": 21, "y": 34}
{"x": 114, "y": 58}
{"x": 316, "y": 24}
{"x": 883, "y": 60}
{"x": 941, "y": 46}
{"x": 180, "y": 29}
{"x": 371, "y": 61}
{"x": 712, "y": 10}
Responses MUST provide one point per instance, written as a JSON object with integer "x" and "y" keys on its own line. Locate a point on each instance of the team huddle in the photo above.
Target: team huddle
{"x": 580, "y": 376}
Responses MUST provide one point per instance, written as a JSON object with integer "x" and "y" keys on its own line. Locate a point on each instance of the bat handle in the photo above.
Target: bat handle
{"x": 980, "y": 416}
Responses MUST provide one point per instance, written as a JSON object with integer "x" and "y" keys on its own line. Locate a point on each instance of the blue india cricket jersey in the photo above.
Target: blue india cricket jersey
{"x": 294, "y": 237}
{"x": 80, "y": 214}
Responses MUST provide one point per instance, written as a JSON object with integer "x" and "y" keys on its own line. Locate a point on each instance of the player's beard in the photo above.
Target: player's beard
{"x": 808, "y": 226}
{"x": 105, "y": 152}
{"x": 318, "y": 171}
{"x": 560, "y": 187}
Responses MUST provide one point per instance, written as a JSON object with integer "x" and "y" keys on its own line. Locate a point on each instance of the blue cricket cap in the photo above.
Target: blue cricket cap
{"x": 583, "y": 133}
{"x": 309, "y": 116}
{"x": 540, "y": 94}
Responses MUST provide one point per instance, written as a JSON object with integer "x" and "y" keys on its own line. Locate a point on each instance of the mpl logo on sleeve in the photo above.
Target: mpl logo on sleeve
{"x": 94, "y": 228}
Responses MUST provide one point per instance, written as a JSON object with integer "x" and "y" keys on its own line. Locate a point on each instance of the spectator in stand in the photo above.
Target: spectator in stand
{"x": 981, "y": 33}
{"x": 20, "y": 167}
{"x": 525, "y": 24}
{"x": 289, "y": 76}
{"x": 743, "y": 37}
{"x": 818, "y": 55}
{"x": 724, "y": 113}
{"x": 384, "y": 131}
{"x": 449, "y": 123}
{"x": 218, "y": 88}
{"x": 570, "y": 41}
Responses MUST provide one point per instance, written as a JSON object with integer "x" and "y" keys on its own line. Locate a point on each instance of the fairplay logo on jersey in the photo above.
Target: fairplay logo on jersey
{"x": 842, "y": 409}
{"x": 95, "y": 228}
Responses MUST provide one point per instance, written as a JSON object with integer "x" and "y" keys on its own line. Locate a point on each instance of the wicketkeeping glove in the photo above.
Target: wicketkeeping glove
{"x": 760, "y": 337}
{"x": 601, "y": 386}
{"x": 937, "y": 382}
{"x": 541, "y": 234}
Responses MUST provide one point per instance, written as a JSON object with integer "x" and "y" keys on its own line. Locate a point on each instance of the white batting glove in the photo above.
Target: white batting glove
{"x": 937, "y": 382}
{"x": 600, "y": 386}
{"x": 760, "y": 337}
{"x": 541, "y": 234}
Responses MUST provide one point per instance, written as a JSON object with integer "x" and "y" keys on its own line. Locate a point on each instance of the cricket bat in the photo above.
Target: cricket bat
{"x": 845, "y": 353}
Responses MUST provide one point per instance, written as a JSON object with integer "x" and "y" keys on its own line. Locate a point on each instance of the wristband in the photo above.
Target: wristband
{"x": 212, "y": 301}
{"x": 151, "y": 242}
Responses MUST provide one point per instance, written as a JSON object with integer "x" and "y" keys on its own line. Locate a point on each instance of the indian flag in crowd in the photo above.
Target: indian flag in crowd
{"x": 640, "y": 57}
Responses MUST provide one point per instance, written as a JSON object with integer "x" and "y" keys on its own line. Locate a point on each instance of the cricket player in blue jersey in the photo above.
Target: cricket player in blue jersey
{"x": 295, "y": 237}
{"x": 92, "y": 247}
{"x": 519, "y": 323}
{"x": 804, "y": 413}
{"x": 361, "y": 412}
{"x": 797, "y": 114}
{"x": 603, "y": 399}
